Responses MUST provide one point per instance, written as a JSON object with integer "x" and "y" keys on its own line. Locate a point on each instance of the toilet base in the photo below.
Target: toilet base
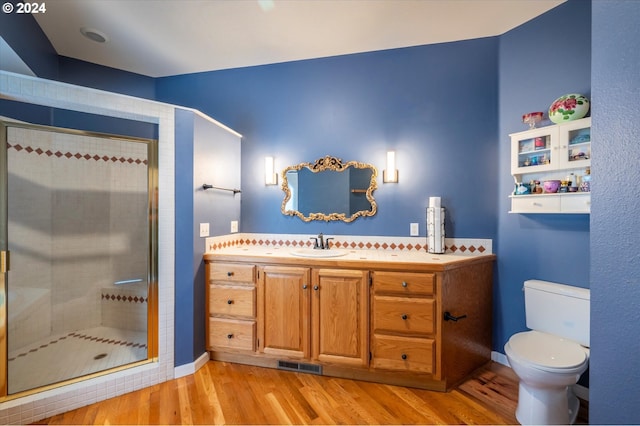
{"x": 546, "y": 406}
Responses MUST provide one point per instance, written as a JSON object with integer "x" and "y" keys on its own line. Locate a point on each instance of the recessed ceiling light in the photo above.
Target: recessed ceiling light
{"x": 94, "y": 35}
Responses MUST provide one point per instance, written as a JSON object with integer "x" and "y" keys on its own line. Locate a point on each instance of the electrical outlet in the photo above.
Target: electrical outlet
{"x": 414, "y": 230}
{"x": 204, "y": 229}
{"x": 234, "y": 226}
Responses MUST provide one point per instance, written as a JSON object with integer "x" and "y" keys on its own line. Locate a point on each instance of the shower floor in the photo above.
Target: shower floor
{"x": 70, "y": 355}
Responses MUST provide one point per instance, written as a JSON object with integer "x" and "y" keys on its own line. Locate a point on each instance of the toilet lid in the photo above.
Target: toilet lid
{"x": 547, "y": 351}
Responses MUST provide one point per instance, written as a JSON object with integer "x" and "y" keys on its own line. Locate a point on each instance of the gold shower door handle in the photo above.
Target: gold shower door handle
{"x": 4, "y": 261}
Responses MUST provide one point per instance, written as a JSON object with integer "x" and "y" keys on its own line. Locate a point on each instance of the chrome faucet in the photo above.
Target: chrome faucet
{"x": 321, "y": 243}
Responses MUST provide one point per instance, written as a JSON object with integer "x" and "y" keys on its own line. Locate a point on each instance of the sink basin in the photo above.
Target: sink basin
{"x": 307, "y": 252}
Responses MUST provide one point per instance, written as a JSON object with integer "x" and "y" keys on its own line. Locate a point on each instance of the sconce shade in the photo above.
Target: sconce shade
{"x": 270, "y": 177}
{"x": 390, "y": 174}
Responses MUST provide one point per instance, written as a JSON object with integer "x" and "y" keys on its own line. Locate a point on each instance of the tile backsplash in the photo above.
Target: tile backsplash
{"x": 458, "y": 246}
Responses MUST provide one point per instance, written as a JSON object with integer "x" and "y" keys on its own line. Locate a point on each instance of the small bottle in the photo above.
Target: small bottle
{"x": 585, "y": 186}
{"x": 536, "y": 189}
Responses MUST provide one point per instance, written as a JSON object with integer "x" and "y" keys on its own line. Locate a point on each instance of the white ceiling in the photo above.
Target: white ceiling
{"x": 170, "y": 37}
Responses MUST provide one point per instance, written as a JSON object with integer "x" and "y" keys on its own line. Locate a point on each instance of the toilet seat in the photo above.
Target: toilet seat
{"x": 547, "y": 352}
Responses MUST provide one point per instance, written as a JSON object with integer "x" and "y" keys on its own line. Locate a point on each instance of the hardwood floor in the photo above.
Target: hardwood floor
{"x": 225, "y": 393}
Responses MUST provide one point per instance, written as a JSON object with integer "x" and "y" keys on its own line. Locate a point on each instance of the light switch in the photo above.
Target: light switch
{"x": 204, "y": 229}
{"x": 234, "y": 226}
{"x": 414, "y": 230}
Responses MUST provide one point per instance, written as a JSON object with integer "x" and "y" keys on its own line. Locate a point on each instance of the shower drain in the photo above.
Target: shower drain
{"x": 99, "y": 356}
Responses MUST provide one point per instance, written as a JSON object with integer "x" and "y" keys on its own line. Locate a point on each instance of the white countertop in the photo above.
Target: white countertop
{"x": 266, "y": 253}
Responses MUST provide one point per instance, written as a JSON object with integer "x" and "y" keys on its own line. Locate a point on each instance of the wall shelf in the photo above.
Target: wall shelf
{"x": 552, "y": 153}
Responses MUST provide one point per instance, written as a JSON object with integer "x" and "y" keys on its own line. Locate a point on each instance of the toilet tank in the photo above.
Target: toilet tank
{"x": 558, "y": 309}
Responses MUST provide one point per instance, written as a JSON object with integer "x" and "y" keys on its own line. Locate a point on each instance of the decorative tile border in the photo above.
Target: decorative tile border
{"x": 80, "y": 336}
{"x": 108, "y": 341}
{"x": 460, "y": 246}
{"x": 77, "y": 155}
{"x": 124, "y": 298}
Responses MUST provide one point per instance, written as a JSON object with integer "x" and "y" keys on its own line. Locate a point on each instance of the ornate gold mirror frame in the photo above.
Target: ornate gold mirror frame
{"x": 334, "y": 164}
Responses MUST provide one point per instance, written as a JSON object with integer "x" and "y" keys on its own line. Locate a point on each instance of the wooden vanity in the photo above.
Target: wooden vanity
{"x": 369, "y": 315}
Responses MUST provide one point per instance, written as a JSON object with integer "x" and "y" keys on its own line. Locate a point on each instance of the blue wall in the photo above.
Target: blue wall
{"x": 615, "y": 221}
{"x": 435, "y": 105}
{"x": 536, "y": 67}
{"x": 104, "y": 78}
{"x": 27, "y": 39}
{"x": 205, "y": 153}
{"x": 184, "y": 339}
{"x": 216, "y": 161}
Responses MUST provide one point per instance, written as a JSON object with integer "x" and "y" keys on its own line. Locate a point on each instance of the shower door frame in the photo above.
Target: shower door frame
{"x": 152, "y": 267}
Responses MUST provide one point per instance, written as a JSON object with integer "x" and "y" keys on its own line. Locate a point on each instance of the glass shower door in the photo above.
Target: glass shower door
{"x": 80, "y": 230}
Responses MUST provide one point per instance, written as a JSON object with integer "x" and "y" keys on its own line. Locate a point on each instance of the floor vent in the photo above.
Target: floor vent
{"x": 300, "y": 367}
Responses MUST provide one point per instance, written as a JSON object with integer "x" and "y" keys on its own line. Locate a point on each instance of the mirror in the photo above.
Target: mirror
{"x": 329, "y": 190}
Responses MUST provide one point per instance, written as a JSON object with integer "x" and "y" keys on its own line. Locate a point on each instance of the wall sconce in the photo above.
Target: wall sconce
{"x": 390, "y": 174}
{"x": 270, "y": 176}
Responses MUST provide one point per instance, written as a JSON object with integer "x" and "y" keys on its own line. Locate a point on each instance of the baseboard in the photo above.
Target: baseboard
{"x": 500, "y": 358}
{"x": 580, "y": 391}
{"x": 186, "y": 369}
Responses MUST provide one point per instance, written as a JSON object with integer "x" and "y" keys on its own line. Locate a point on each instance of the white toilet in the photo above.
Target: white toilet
{"x": 550, "y": 358}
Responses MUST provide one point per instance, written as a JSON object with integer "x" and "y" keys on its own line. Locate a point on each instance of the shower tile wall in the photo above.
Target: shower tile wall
{"x": 79, "y": 199}
{"x": 125, "y": 307}
{"x": 30, "y": 265}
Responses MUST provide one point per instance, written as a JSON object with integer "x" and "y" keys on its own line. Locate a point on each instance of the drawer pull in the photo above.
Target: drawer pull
{"x": 448, "y": 316}
{"x": 404, "y": 284}
{"x": 405, "y": 317}
{"x": 304, "y": 286}
{"x": 229, "y": 302}
{"x": 315, "y": 287}
{"x": 229, "y": 336}
{"x": 403, "y": 356}
{"x": 229, "y": 274}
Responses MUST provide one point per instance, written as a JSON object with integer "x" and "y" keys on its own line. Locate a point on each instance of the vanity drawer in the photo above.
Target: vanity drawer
{"x": 232, "y": 301}
{"x": 231, "y": 272}
{"x": 406, "y": 283}
{"x": 403, "y": 353}
{"x": 403, "y": 315}
{"x": 232, "y": 334}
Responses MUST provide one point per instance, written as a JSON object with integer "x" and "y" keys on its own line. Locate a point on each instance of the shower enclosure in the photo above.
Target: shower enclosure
{"x": 78, "y": 241}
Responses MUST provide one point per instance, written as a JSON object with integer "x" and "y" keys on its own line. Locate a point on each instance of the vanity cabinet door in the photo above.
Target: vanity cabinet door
{"x": 283, "y": 311}
{"x": 340, "y": 316}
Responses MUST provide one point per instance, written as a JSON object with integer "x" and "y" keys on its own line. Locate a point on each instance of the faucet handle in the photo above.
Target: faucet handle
{"x": 326, "y": 243}
{"x": 315, "y": 244}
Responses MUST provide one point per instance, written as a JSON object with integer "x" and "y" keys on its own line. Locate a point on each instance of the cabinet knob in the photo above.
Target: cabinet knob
{"x": 229, "y": 336}
{"x": 404, "y": 284}
{"x": 315, "y": 287}
{"x": 404, "y": 316}
{"x": 229, "y": 302}
{"x": 229, "y": 274}
{"x": 304, "y": 286}
{"x": 403, "y": 356}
